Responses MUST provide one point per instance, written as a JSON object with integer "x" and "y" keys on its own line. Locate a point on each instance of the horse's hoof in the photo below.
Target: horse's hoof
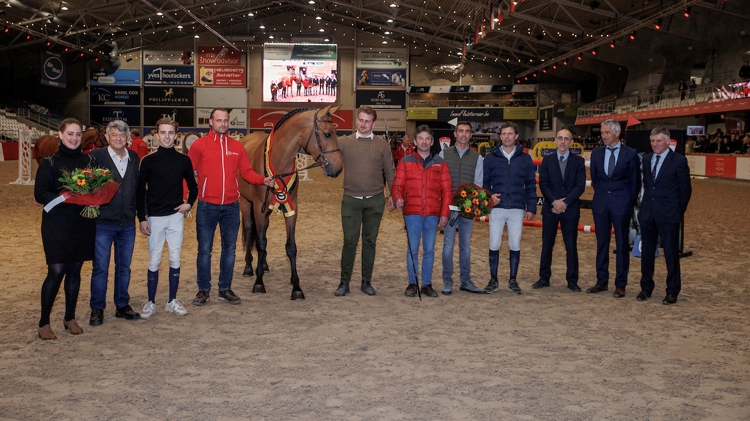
{"x": 248, "y": 271}
{"x": 259, "y": 289}
{"x": 298, "y": 295}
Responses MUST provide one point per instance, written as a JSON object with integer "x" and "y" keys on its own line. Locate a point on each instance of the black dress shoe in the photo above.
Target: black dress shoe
{"x": 367, "y": 288}
{"x": 342, "y": 290}
{"x": 574, "y": 287}
{"x": 429, "y": 291}
{"x": 540, "y": 284}
{"x": 127, "y": 313}
{"x": 411, "y": 290}
{"x": 643, "y": 296}
{"x": 669, "y": 299}
{"x": 97, "y": 317}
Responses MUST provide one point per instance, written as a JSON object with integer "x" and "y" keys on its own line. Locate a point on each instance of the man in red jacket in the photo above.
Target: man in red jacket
{"x": 137, "y": 144}
{"x": 402, "y": 150}
{"x": 217, "y": 159}
{"x": 422, "y": 190}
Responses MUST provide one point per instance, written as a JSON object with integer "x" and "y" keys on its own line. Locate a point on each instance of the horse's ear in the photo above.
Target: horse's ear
{"x": 332, "y": 110}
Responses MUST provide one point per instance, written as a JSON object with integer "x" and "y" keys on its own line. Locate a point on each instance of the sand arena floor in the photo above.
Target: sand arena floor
{"x": 545, "y": 355}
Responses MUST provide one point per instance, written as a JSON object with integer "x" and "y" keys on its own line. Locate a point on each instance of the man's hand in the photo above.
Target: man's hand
{"x": 528, "y": 216}
{"x": 145, "y": 228}
{"x": 268, "y": 181}
{"x": 443, "y": 221}
{"x": 495, "y": 199}
{"x": 183, "y": 208}
{"x": 390, "y": 205}
{"x": 558, "y": 206}
{"x": 400, "y": 204}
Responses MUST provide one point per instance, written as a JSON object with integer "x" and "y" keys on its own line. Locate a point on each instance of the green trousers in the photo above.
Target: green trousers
{"x": 356, "y": 215}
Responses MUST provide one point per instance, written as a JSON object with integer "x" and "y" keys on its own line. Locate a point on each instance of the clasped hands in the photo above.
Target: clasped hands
{"x": 558, "y": 206}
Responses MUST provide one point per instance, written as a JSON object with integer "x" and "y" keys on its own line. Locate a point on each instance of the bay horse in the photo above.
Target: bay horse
{"x": 311, "y": 130}
{"x": 47, "y": 145}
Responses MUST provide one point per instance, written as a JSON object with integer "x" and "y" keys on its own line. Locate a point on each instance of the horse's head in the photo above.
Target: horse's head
{"x": 326, "y": 147}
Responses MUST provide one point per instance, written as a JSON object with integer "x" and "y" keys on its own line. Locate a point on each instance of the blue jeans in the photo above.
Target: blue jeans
{"x": 124, "y": 240}
{"x": 228, "y": 218}
{"x": 464, "y": 226}
{"x": 426, "y": 228}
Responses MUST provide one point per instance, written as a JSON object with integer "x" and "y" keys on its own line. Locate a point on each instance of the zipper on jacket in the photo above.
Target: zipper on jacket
{"x": 203, "y": 193}
{"x": 223, "y": 172}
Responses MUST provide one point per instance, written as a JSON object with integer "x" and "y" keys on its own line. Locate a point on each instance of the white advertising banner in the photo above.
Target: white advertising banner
{"x": 743, "y": 168}
{"x": 237, "y": 118}
{"x": 394, "y": 119}
{"x": 390, "y": 58}
{"x": 697, "y": 164}
{"x": 221, "y": 97}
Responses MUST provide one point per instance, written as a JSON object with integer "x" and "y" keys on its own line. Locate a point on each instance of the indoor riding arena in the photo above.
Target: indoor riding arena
{"x": 547, "y": 354}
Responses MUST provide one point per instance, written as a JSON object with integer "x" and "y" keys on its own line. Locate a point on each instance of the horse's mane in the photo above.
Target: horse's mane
{"x": 288, "y": 116}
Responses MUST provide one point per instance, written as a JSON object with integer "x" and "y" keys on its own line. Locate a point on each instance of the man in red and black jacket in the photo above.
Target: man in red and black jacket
{"x": 217, "y": 159}
{"x": 422, "y": 190}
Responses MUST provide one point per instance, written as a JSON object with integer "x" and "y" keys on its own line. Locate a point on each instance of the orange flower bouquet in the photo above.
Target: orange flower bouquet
{"x": 472, "y": 201}
{"x": 89, "y": 187}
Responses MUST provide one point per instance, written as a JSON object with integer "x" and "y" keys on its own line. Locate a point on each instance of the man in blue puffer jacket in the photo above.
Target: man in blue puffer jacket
{"x": 511, "y": 177}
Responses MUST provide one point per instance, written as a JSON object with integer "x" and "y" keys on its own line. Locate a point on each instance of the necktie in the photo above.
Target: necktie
{"x": 611, "y": 166}
{"x": 656, "y": 165}
{"x": 562, "y": 166}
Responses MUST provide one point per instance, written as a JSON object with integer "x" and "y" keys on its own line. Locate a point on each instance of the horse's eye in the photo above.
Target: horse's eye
{"x": 327, "y": 135}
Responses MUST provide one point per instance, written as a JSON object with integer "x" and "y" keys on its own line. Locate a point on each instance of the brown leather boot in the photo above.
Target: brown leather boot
{"x": 45, "y": 332}
{"x": 73, "y": 326}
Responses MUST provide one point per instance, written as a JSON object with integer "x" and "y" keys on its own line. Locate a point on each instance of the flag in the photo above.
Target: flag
{"x": 632, "y": 121}
{"x": 512, "y": 7}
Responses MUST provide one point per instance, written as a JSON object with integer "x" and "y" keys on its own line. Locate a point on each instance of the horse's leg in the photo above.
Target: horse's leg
{"x": 261, "y": 226}
{"x": 291, "y": 252}
{"x": 248, "y": 237}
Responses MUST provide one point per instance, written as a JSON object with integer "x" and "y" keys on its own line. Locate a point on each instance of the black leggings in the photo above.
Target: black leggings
{"x": 51, "y": 285}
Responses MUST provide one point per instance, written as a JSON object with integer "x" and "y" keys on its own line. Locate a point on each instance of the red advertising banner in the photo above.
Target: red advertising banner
{"x": 719, "y": 166}
{"x": 217, "y": 55}
{"x": 267, "y": 118}
{"x": 222, "y": 76}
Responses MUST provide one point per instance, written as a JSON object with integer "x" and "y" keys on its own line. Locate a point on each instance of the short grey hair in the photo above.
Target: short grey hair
{"x": 613, "y": 124}
{"x": 661, "y": 130}
{"x": 119, "y": 125}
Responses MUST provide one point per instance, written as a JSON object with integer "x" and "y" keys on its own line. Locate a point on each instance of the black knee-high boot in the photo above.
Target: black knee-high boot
{"x": 515, "y": 258}
{"x": 494, "y": 259}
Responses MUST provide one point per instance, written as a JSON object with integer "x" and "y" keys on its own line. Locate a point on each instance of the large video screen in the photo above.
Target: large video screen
{"x": 300, "y": 73}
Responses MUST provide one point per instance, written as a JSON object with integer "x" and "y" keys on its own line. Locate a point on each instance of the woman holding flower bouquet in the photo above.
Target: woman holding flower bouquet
{"x": 67, "y": 236}
{"x": 422, "y": 190}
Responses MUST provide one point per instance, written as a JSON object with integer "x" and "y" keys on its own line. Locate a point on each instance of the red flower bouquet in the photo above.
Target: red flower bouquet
{"x": 89, "y": 187}
{"x": 472, "y": 201}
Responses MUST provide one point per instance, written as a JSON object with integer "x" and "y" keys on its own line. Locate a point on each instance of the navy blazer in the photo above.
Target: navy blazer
{"x": 617, "y": 193}
{"x": 666, "y": 198}
{"x": 554, "y": 187}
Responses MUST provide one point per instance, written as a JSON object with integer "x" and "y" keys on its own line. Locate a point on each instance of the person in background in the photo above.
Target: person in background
{"x": 405, "y": 148}
{"x": 422, "y": 190}
{"x": 161, "y": 211}
{"x": 67, "y": 237}
{"x": 745, "y": 71}
{"x": 137, "y": 144}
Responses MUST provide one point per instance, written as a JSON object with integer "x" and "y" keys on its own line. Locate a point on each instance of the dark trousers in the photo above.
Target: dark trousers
{"x": 569, "y": 228}
{"x": 356, "y": 215}
{"x": 604, "y": 223}
{"x": 669, "y": 234}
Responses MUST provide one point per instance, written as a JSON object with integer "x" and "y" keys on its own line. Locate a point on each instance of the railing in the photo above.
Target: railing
{"x": 715, "y": 92}
{"x": 47, "y": 122}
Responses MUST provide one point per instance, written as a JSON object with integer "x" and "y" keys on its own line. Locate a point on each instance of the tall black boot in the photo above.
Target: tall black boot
{"x": 515, "y": 258}
{"x": 492, "y": 286}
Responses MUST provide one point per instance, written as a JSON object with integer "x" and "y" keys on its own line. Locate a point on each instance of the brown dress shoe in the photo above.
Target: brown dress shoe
{"x": 596, "y": 288}
{"x": 619, "y": 293}
{"x": 429, "y": 291}
{"x": 45, "y": 332}
{"x": 73, "y": 326}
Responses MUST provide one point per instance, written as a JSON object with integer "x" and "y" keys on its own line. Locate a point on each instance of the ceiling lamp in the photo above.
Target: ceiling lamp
{"x": 612, "y": 44}
{"x": 594, "y": 51}
{"x": 632, "y": 36}
{"x": 394, "y": 4}
{"x": 658, "y": 24}
{"x": 686, "y": 13}
{"x": 580, "y": 57}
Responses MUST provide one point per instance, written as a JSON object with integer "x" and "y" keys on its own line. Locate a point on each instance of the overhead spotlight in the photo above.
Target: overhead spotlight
{"x": 518, "y": 80}
{"x": 594, "y": 51}
{"x": 159, "y": 13}
{"x": 318, "y": 18}
{"x": 393, "y": 4}
{"x": 321, "y": 30}
{"x": 534, "y": 75}
{"x": 197, "y": 36}
{"x": 580, "y": 57}
{"x": 390, "y": 21}
{"x": 270, "y": 37}
{"x": 179, "y": 26}
{"x": 686, "y": 12}
{"x": 311, "y": 2}
{"x": 49, "y": 43}
{"x": 612, "y": 44}
{"x": 544, "y": 70}
{"x": 658, "y": 24}
{"x": 565, "y": 62}
{"x": 326, "y": 40}
{"x": 262, "y": 27}
{"x": 594, "y": 4}
{"x": 525, "y": 78}
{"x": 66, "y": 49}
{"x": 632, "y": 36}
{"x": 554, "y": 67}
{"x": 251, "y": 14}
{"x": 385, "y": 42}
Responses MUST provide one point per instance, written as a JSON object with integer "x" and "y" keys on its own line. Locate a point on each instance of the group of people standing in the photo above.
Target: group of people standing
{"x": 151, "y": 190}
{"x": 422, "y": 187}
{"x": 425, "y": 182}
{"x": 316, "y": 85}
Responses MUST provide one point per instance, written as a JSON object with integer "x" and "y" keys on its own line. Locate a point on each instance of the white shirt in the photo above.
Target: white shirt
{"x": 120, "y": 163}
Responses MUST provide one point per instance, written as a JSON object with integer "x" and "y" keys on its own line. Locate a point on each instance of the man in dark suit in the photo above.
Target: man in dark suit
{"x": 616, "y": 179}
{"x": 667, "y": 190}
{"x": 562, "y": 180}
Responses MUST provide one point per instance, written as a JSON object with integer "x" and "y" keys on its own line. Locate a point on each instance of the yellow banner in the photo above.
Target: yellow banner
{"x": 520, "y": 113}
{"x": 421, "y": 114}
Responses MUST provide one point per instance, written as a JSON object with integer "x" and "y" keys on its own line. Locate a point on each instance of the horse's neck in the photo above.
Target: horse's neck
{"x": 286, "y": 143}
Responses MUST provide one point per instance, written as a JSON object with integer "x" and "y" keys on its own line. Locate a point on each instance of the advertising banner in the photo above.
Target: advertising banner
{"x": 168, "y": 75}
{"x": 395, "y": 120}
{"x": 220, "y": 66}
{"x": 237, "y": 118}
{"x": 379, "y": 77}
{"x": 391, "y": 58}
{"x": 115, "y": 95}
{"x": 118, "y": 77}
{"x": 307, "y": 52}
{"x": 266, "y": 119}
{"x": 222, "y": 76}
{"x": 220, "y": 97}
{"x": 104, "y": 115}
{"x": 168, "y": 96}
{"x": 168, "y": 58}
{"x": 422, "y": 114}
{"x": 53, "y": 70}
{"x": 519, "y": 113}
{"x": 184, "y": 116}
{"x": 381, "y": 98}
{"x": 545, "y": 118}
{"x": 494, "y": 114}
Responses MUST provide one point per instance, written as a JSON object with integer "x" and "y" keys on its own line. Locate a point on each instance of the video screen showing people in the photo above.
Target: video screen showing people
{"x": 300, "y": 81}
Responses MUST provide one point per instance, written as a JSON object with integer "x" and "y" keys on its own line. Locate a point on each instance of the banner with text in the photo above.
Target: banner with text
{"x": 115, "y": 95}
{"x": 168, "y": 75}
{"x": 104, "y": 115}
{"x": 381, "y": 98}
{"x": 118, "y": 77}
{"x": 390, "y": 58}
{"x": 168, "y": 96}
{"x": 53, "y": 70}
{"x": 237, "y": 118}
{"x": 168, "y": 58}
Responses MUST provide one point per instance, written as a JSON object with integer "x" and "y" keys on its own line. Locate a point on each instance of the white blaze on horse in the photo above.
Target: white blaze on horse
{"x": 275, "y": 155}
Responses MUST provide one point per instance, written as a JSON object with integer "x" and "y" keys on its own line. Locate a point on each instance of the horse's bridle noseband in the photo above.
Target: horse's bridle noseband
{"x": 322, "y": 153}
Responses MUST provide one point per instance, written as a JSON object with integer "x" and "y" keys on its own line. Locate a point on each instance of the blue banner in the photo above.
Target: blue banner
{"x": 104, "y": 115}
{"x": 381, "y": 77}
{"x": 115, "y": 95}
{"x": 118, "y": 77}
